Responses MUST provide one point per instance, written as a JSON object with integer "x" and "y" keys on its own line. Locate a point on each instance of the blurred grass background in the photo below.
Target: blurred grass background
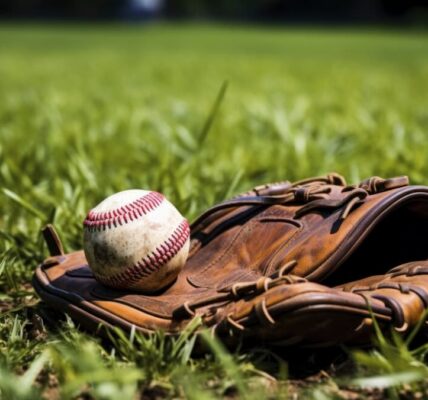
{"x": 86, "y": 111}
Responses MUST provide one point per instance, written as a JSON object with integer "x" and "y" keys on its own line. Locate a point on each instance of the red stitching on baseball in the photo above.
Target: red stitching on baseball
{"x": 96, "y": 221}
{"x": 151, "y": 262}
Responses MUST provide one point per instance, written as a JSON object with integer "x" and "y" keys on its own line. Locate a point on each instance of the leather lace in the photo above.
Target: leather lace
{"x": 313, "y": 193}
{"x": 241, "y": 290}
{"x": 397, "y": 313}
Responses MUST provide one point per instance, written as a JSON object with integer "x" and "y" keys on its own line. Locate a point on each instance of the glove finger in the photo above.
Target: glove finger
{"x": 303, "y": 313}
{"x": 404, "y": 289}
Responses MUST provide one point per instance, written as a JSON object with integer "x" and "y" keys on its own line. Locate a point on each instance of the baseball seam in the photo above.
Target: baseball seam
{"x": 151, "y": 262}
{"x": 97, "y": 221}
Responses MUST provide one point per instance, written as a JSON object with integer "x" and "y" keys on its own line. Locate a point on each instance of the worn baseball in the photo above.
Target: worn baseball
{"x": 136, "y": 239}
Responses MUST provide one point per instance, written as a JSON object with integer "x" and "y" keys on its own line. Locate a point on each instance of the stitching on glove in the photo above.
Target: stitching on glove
{"x": 396, "y": 311}
{"x": 240, "y": 290}
{"x": 263, "y": 314}
{"x": 234, "y": 323}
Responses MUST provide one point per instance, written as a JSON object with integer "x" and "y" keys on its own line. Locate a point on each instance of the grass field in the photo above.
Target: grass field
{"x": 87, "y": 111}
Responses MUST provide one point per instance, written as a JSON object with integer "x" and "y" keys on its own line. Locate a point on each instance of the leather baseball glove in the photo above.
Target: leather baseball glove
{"x": 274, "y": 264}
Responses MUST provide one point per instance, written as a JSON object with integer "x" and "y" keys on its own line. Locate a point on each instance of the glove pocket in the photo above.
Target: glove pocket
{"x": 243, "y": 252}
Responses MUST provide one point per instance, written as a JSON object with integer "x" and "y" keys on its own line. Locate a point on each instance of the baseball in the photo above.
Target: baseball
{"x": 136, "y": 239}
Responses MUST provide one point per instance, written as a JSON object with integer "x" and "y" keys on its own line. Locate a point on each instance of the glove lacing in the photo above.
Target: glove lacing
{"x": 241, "y": 290}
{"x": 314, "y": 191}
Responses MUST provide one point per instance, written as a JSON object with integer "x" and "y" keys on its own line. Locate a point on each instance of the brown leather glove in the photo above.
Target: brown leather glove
{"x": 249, "y": 256}
{"x": 299, "y": 312}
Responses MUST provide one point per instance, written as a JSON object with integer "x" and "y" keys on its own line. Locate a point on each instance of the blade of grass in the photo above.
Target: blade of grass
{"x": 213, "y": 113}
{"x": 390, "y": 380}
{"x": 23, "y": 203}
{"x": 230, "y": 367}
{"x": 35, "y": 368}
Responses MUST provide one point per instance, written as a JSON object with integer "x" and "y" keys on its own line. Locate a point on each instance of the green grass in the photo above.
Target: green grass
{"x": 88, "y": 111}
